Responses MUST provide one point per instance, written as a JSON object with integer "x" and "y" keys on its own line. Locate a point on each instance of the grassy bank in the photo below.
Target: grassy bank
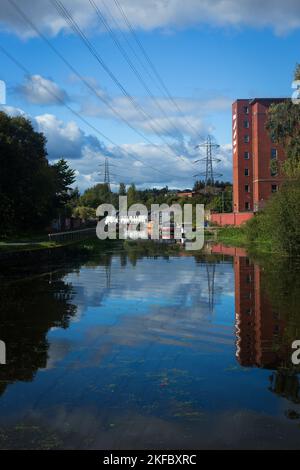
{"x": 32, "y": 243}
{"x": 239, "y": 236}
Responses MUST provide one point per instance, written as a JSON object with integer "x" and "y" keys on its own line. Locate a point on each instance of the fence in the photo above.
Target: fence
{"x": 73, "y": 235}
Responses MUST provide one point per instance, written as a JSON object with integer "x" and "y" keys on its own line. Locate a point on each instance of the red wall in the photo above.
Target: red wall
{"x": 259, "y": 179}
{"x": 231, "y": 218}
{"x": 240, "y": 196}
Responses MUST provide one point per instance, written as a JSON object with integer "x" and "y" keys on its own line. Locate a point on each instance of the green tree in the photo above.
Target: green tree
{"x": 283, "y": 126}
{"x": 86, "y": 213}
{"x": 26, "y": 182}
{"x": 122, "y": 189}
{"x": 132, "y": 195}
{"x": 64, "y": 177}
{"x": 96, "y": 195}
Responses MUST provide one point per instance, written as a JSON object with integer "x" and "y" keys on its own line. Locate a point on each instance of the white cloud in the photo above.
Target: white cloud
{"x": 163, "y": 14}
{"x": 174, "y": 171}
{"x": 42, "y": 91}
{"x": 67, "y": 139}
{"x": 189, "y": 122}
{"x": 12, "y": 111}
{"x": 144, "y": 164}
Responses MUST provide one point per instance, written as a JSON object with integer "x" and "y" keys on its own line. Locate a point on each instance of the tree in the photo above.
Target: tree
{"x": 132, "y": 195}
{"x": 86, "y": 213}
{"x": 64, "y": 177}
{"x": 122, "y": 189}
{"x": 198, "y": 185}
{"x": 26, "y": 183}
{"x": 283, "y": 126}
{"x": 73, "y": 201}
{"x": 297, "y": 72}
{"x": 96, "y": 195}
{"x": 32, "y": 191}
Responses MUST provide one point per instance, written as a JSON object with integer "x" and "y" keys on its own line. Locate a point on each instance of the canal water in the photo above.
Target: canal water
{"x": 131, "y": 350}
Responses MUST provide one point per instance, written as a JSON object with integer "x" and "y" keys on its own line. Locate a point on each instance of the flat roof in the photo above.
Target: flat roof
{"x": 265, "y": 100}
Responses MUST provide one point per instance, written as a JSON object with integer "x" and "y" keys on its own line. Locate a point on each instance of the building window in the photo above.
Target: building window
{"x": 276, "y": 329}
{"x": 246, "y": 155}
{"x": 246, "y": 109}
{"x": 247, "y": 206}
{"x": 274, "y": 188}
{"x": 246, "y": 171}
{"x": 246, "y": 139}
{"x": 273, "y": 153}
{"x": 246, "y": 124}
{"x": 247, "y": 189}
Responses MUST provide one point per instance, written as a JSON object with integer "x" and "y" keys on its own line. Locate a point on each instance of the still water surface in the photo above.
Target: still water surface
{"x": 124, "y": 350}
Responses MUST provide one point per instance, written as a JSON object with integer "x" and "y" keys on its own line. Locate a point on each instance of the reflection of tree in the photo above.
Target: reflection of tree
{"x": 286, "y": 384}
{"x": 281, "y": 283}
{"x": 29, "y": 308}
{"x": 281, "y": 286}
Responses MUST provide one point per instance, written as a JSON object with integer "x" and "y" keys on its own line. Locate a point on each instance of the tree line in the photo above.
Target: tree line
{"x": 220, "y": 201}
{"x": 32, "y": 191}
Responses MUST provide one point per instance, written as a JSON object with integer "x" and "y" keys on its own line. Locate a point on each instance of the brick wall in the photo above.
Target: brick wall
{"x": 231, "y": 218}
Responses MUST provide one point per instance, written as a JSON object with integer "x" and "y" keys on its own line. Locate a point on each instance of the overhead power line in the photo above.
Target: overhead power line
{"x": 74, "y": 25}
{"x": 84, "y": 80}
{"x": 152, "y": 66}
{"x": 123, "y": 51}
{"x": 78, "y": 115}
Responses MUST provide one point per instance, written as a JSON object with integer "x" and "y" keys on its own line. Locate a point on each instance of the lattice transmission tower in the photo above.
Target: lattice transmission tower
{"x": 209, "y": 174}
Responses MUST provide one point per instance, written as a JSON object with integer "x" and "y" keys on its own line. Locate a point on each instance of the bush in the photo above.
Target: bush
{"x": 280, "y": 221}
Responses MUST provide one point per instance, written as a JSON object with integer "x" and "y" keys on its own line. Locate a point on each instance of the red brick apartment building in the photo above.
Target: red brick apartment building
{"x": 254, "y": 180}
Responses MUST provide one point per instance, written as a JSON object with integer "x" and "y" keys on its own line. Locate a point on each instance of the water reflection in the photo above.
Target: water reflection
{"x": 267, "y": 317}
{"x": 29, "y": 309}
{"x": 140, "y": 348}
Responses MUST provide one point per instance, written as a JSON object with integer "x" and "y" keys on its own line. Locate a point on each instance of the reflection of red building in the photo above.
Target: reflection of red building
{"x": 258, "y": 327}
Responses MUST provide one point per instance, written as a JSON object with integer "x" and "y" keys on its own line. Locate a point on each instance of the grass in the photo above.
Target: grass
{"x": 12, "y": 247}
{"x": 232, "y": 236}
{"x": 237, "y": 236}
{"x": 32, "y": 244}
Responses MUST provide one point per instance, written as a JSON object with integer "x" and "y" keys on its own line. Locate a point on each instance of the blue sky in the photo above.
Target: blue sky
{"x": 208, "y": 54}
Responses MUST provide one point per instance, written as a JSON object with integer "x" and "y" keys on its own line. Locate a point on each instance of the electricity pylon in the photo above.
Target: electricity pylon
{"x": 209, "y": 159}
{"x": 106, "y": 173}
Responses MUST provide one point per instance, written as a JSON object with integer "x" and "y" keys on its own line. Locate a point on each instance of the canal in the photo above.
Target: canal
{"x": 131, "y": 349}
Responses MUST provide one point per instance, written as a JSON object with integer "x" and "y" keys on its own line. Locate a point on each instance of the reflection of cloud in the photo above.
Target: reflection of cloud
{"x": 151, "y": 279}
{"x": 58, "y": 349}
{"x": 182, "y": 327}
{"x": 100, "y": 428}
{"x": 145, "y": 305}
